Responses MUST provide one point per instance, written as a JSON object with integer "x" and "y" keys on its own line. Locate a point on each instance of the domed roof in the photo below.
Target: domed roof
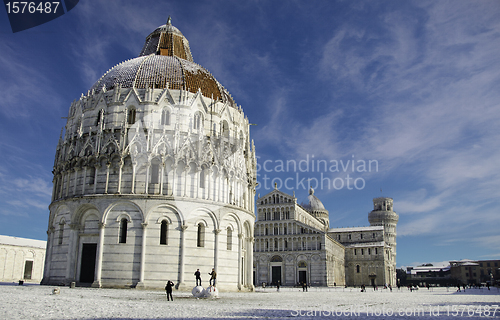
{"x": 164, "y": 62}
{"x": 313, "y": 203}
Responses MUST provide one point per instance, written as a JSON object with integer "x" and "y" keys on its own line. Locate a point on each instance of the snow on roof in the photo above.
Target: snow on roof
{"x": 365, "y": 244}
{"x": 416, "y": 270}
{"x": 357, "y": 229}
{"x": 23, "y": 242}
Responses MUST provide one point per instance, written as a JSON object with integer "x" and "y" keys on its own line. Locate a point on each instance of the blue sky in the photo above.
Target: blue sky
{"x": 413, "y": 86}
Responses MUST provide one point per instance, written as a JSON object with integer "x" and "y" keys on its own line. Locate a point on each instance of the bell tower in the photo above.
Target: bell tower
{"x": 383, "y": 215}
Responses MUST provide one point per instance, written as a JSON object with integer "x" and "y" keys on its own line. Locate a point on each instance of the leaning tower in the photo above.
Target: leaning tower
{"x": 383, "y": 215}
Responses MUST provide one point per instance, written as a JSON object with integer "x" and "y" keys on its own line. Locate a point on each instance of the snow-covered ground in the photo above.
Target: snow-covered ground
{"x": 38, "y": 302}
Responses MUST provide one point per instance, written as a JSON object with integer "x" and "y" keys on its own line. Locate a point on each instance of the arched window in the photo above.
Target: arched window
{"x": 91, "y": 174}
{"x": 131, "y": 116}
{"x": 99, "y": 117}
{"x": 164, "y": 232}
{"x": 225, "y": 128}
{"x": 197, "y": 121}
{"x": 242, "y": 138}
{"x": 201, "y": 236}
{"x": 61, "y": 232}
{"x": 154, "y": 172}
{"x": 123, "y": 230}
{"x": 165, "y": 117}
{"x": 202, "y": 178}
{"x": 357, "y": 268}
{"x": 229, "y": 239}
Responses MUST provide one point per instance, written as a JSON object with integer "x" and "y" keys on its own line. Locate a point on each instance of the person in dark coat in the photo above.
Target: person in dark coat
{"x": 213, "y": 275}
{"x": 198, "y": 277}
{"x": 168, "y": 289}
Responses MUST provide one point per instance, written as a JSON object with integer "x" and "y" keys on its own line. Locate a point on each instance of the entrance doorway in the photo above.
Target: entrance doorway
{"x": 302, "y": 276}
{"x": 276, "y": 275}
{"x": 87, "y": 265}
{"x": 28, "y": 269}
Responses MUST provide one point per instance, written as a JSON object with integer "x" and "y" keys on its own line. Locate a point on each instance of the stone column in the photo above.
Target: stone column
{"x": 162, "y": 176}
{"x": 148, "y": 165}
{"x": 68, "y": 183}
{"x": 197, "y": 179}
{"x": 108, "y": 165}
{"x": 134, "y": 165}
{"x": 54, "y": 188}
{"x": 120, "y": 171}
{"x": 84, "y": 180}
{"x": 218, "y": 187}
{"x": 210, "y": 181}
{"x": 72, "y": 250}
{"x": 140, "y": 284}
{"x": 186, "y": 175}
{"x": 61, "y": 186}
{"x": 216, "y": 249}
{"x": 240, "y": 248}
{"x": 174, "y": 184}
{"x": 97, "y": 279}
{"x": 97, "y": 167}
{"x": 76, "y": 179}
{"x": 182, "y": 255}
{"x": 48, "y": 256}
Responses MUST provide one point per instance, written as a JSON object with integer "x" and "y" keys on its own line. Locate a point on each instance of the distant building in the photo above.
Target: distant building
{"x": 429, "y": 275}
{"x": 475, "y": 271}
{"x": 294, "y": 244}
{"x": 21, "y": 259}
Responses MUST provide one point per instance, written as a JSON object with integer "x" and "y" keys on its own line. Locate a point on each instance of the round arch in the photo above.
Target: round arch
{"x": 113, "y": 205}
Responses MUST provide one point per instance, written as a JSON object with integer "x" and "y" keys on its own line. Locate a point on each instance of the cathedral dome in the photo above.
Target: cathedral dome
{"x": 313, "y": 203}
{"x": 164, "y": 62}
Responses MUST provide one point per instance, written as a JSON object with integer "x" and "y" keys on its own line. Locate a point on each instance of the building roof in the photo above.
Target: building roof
{"x": 23, "y": 242}
{"x": 365, "y": 244}
{"x": 416, "y": 270}
{"x": 164, "y": 62}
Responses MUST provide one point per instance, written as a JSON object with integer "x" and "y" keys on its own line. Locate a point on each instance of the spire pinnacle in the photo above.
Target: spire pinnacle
{"x": 169, "y": 21}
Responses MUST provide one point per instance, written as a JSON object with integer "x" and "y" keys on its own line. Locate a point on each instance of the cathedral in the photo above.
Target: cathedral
{"x": 294, "y": 244}
{"x": 154, "y": 177}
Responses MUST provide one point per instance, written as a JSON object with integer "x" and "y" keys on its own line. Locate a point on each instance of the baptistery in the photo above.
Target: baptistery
{"x": 154, "y": 178}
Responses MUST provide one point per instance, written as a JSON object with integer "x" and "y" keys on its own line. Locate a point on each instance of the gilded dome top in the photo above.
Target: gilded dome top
{"x": 164, "y": 62}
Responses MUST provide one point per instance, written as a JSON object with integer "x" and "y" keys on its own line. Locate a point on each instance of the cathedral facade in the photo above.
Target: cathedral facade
{"x": 154, "y": 177}
{"x": 294, "y": 244}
